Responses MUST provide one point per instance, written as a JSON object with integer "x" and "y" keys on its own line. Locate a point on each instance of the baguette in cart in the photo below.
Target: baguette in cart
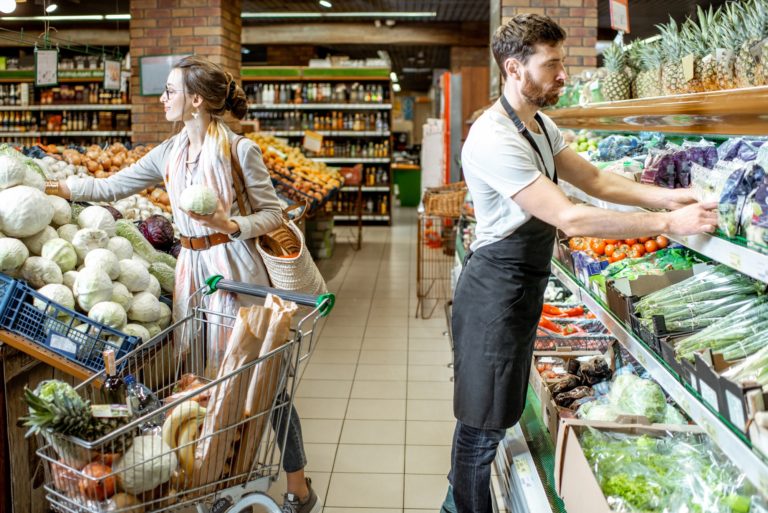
{"x": 188, "y": 440}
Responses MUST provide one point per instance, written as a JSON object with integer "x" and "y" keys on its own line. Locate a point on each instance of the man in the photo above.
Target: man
{"x": 512, "y": 159}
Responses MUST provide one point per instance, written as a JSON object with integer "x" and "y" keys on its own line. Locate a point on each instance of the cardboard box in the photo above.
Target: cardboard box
{"x": 551, "y": 413}
{"x": 622, "y": 294}
{"x": 575, "y": 481}
{"x": 668, "y": 355}
{"x": 707, "y": 367}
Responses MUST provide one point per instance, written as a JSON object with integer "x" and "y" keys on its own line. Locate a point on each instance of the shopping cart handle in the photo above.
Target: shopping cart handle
{"x": 323, "y": 302}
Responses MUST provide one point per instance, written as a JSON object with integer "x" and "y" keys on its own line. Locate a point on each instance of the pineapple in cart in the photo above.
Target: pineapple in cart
{"x": 672, "y": 77}
{"x": 616, "y": 84}
{"x": 649, "y": 59}
{"x": 747, "y": 67}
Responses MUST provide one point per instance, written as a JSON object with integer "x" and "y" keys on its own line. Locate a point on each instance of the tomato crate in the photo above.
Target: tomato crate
{"x": 63, "y": 331}
{"x": 594, "y": 337}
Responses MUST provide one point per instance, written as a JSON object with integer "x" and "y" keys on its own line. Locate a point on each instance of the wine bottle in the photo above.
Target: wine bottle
{"x": 113, "y": 389}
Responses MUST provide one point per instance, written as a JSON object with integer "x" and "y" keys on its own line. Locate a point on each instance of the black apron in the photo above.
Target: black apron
{"x": 496, "y": 310}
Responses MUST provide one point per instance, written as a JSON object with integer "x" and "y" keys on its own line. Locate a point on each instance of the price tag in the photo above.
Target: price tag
{"x": 736, "y": 410}
{"x": 734, "y": 260}
{"x": 313, "y": 141}
{"x": 522, "y": 467}
{"x": 708, "y": 394}
{"x": 619, "y": 15}
{"x": 62, "y": 343}
{"x": 46, "y": 67}
{"x": 688, "y": 67}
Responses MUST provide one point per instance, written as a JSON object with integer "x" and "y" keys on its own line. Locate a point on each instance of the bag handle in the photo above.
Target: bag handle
{"x": 238, "y": 179}
{"x": 239, "y": 184}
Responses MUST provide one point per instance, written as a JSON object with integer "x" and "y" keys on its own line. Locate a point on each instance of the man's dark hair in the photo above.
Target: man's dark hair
{"x": 517, "y": 38}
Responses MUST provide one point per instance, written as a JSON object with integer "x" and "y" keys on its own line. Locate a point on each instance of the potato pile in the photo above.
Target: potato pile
{"x": 100, "y": 163}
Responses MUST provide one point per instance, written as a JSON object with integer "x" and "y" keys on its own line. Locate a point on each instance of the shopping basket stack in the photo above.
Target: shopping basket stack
{"x": 437, "y": 245}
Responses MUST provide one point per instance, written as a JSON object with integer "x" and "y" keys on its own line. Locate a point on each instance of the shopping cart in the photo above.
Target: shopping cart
{"x": 435, "y": 260}
{"x": 242, "y": 457}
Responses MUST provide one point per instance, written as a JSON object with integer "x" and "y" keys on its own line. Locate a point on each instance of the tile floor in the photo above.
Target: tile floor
{"x": 376, "y": 398}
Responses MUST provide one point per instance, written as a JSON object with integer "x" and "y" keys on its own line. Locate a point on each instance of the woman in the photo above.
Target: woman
{"x": 198, "y": 93}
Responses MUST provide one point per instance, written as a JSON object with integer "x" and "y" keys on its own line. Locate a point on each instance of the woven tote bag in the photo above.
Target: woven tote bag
{"x": 285, "y": 255}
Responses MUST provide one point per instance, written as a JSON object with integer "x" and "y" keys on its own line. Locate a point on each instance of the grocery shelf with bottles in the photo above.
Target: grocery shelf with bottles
{"x": 349, "y": 107}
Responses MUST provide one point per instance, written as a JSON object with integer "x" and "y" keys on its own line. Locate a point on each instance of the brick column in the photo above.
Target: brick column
{"x": 206, "y": 27}
{"x": 577, "y": 17}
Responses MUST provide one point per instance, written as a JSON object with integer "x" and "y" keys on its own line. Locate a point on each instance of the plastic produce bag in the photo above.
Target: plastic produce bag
{"x": 674, "y": 472}
{"x": 708, "y": 183}
{"x": 660, "y": 168}
{"x": 734, "y": 197}
{"x": 615, "y": 147}
{"x": 627, "y": 167}
{"x": 739, "y": 148}
{"x": 757, "y": 231}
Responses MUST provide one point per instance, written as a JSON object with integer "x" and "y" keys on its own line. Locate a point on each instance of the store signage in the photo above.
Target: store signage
{"x": 313, "y": 141}
{"x": 46, "y": 67}
{"x": 111, "y": 75}
{"x": 619, "y": 15}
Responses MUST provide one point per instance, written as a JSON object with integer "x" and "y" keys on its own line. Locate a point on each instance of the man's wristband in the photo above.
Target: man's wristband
{"x": 52, "y": 187}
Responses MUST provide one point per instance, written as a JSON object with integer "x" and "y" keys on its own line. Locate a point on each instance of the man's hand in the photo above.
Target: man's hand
{"x": 219, "y": 221}
{"x": 678, "y": 198}
{"x": 693, "y": 219}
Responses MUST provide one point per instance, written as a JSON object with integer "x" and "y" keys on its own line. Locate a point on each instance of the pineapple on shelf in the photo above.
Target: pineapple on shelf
{"x": 690, "y": 40}
{"x": 616, "y": 83}
{"x": 705, "y": 65}
{"x": 747, "y": 67}
{"x": 729, "y": 35}
{"x": 648, "y": 65}
{"x": 672, "y": 77}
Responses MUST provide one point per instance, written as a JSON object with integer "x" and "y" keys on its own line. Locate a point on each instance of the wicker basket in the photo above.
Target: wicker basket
{"x": 446, "y": 200}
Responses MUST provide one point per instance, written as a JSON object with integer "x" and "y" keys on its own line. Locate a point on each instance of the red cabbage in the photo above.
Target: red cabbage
{"x": 158, "y": 231}
{"x": 115, "y": 212}
{"x": 175, "y": 249}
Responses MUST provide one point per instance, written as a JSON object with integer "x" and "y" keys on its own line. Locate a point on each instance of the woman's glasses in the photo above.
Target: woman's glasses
{"x": 169, "y": 92}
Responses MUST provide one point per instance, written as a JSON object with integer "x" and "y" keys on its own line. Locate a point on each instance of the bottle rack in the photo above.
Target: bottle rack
{"x": 350, "y": 108}
{"x": 76, "y": 111}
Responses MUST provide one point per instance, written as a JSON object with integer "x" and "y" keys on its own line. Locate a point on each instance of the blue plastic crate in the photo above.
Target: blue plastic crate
{"x": 54, "y": 329}
{"x": 7, "y": 286}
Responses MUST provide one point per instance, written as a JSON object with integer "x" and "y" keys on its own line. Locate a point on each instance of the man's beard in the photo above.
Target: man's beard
{"x": 537, "y": 95}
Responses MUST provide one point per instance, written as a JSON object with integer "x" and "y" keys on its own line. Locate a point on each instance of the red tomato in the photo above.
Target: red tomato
{"x": 598, "y": 246}
{"x": 662, "y": 241}
{"x": 619, "y": 256}
{"x": 609, "y": 249}
{"x": 651, "y": 246}
{"x": 577, "y": 244}
{"x": 643, "y": 240}
{"x": 624, "y": 248}
{"x": 630, "y": 241}
{"x": 612, "y": 241}
{"x": 639, "y": 248}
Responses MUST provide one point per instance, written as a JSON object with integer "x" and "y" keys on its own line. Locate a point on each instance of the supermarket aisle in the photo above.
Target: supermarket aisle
{"x": 375, "y": 399}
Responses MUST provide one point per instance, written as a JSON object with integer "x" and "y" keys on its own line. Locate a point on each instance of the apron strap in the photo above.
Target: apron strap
{"x": 525, "y": 133}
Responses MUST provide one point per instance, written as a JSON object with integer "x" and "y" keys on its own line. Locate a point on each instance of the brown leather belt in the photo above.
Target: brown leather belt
{"x": 204, "y": 242}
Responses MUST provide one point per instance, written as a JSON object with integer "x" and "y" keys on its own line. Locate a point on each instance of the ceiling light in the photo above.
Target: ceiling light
{"x": 87, "y": 17}
{"x": 396, "y": 88}
{"x": 359, "y": 14}
{"x": 51, "y": 8}
{"x": 117, "y": 17}
{"x": 393, "y": 76}
{"x": 326, "y": 4}
{"x": 7, "y": 6}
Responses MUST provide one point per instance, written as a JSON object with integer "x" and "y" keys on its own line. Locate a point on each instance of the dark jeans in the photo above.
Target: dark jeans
{"x": 472, "y": 453}
{"x": 294, "y": 458}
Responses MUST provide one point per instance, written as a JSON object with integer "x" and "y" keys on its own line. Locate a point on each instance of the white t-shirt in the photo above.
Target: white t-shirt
{"x": 498, "y": 162}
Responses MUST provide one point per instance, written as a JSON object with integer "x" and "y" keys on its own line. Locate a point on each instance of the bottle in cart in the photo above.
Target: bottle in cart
{"x": 113, "y": 389}
{"x": 141, "y": 401}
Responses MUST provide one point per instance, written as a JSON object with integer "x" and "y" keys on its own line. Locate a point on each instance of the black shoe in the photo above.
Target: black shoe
{"x": 292, "y": 504}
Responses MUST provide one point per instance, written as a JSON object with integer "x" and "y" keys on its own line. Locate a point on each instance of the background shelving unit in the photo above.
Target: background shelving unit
{"x": 289, "y": 118}
{"x": 731, "y": 112}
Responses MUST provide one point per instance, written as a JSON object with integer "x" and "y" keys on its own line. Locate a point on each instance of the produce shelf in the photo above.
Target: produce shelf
{"x": 742, "y": 259}
{"x": 521, "y": 485}
{"x": 327, "y": 133}
{"x": 63, "y": 106}
{"x": 733, "y": 443}
{"x": 85, "y": 133}
{"x": 353, "y": 160}
{"x": 367, "y": 188}
{"x": 731, "y": 112}
{"x": 320, "y": 106}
